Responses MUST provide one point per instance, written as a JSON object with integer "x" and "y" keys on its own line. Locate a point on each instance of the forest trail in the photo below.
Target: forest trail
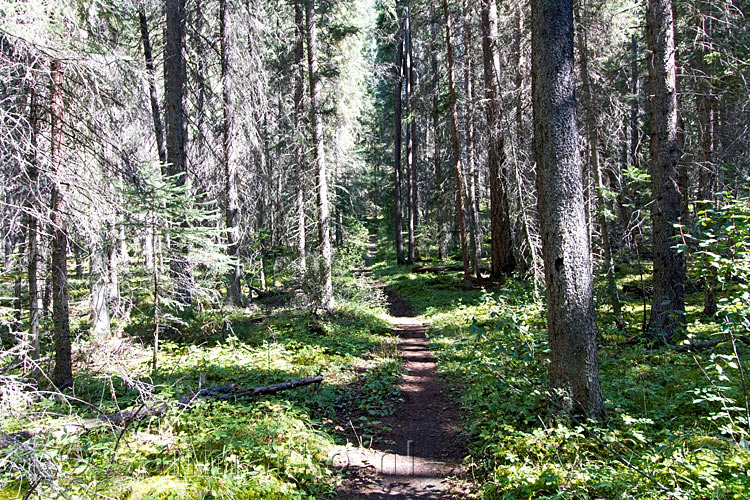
{"x": 423, "y": 445}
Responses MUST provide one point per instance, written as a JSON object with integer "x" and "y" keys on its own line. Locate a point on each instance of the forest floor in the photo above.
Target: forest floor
{"x": 420, "y": 453}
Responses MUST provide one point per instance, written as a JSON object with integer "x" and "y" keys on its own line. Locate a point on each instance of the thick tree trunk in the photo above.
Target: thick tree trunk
{"x": 175, "y": 77}
{"x": 100, "y": 324}
{"x": 151, "y": 71}
{"x": 398, "y": 131}
{"x": 668, "y": 307}
{"x": 324, "y": 233}
{"x": 574, "y": 365}
{"x": 299, "y": 91}
{"x": 456, "y": 146}
{"x": 503, "y": 262}
{"x": 231, "y": 195}
{"x": 475, "y": 246}
{"x": 60, "y": 315}
{"x": 595, "y": 168}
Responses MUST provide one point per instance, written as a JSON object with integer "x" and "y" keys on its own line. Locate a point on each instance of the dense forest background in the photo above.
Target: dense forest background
{"x": 558, "y": 189}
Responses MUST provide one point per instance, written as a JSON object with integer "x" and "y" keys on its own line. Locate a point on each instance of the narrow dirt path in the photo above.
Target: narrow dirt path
{"x": 423, "y": 446}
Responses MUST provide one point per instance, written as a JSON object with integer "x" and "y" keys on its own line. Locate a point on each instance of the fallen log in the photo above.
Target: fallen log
{"x": 698, "y": 346}
{"x": 260, "y": 391}
{"x": 443, "y": 269}
{"x": 127, "y": 417}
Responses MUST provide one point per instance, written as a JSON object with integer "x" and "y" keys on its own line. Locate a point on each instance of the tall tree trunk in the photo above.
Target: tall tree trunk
{"x": 668, "y": 307}
{"x": 410, "y": 163}
{"x": 475, "y": 245}
{"x": 60, "y": 315}
{"x": 397, "y": 105}
{"x": 151, "y": 71}
{"x": 439, "y": 182}
{"x": 574, "y": 365}
{"x": 231, "y": 195}
{"x": 175, "y": 77}
{"x": 502, "y": 258}
{"x": 32, "y": 245}
{"x": 324, "y": 233}
{"x": 299, "y": 90}
{"x": 456, "y": 146}
{"x": 518, "y": 164}
{"x": 595, "y": 168}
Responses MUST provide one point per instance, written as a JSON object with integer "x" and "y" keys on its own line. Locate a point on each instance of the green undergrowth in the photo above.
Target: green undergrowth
{"x": 678, "y": 419}
{"x": 270, "y": 447}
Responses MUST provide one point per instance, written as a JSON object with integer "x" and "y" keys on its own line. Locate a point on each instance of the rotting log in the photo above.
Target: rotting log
{"x": 231, "y": 391}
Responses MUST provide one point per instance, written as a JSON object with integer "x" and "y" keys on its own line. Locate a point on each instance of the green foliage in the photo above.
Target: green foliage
{"x": 273, "y": 447}
{"x": 167, "y": 208}
{"x": 665, "y": 416}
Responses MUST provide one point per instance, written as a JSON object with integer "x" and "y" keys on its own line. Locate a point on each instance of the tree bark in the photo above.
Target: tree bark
{"x": 503, "y": 262}
{"x": 574, "y": 365}
{"x": 60, "y": 314}
{"x": 299, "y": 90}
{"x": 668, "y": 307}
{"x": 151, "y": 71}
{"x": 398, "y": 131}
{"x": 231, "y": 194}
{"x": 324, "y": 233}
{"x": 175, "y": 77}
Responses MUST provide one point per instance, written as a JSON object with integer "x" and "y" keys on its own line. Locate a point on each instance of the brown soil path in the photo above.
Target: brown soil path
{"x": 423, "y": 448}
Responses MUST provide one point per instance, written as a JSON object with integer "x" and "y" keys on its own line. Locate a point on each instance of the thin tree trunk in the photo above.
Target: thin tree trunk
{"x": 410, "y": 160}
{"x": 474, "y": 239}
{"x": 574, "y": 365}
{"x": 518, "y": 164}
{"x": 324, "y": 233}
{"x": 60, "y": 315}
{"x": 707, "y": 178}
{"x": 439, "y": 182}
{"x": 635, "y": 138}
{"x": 299, "y": 89}
{"x": 456, "y": 146}
{"x": 78, "y": 256}
{"x": 595, "y": 168}
{"x": 100, "y": 324}
{"x": 151, "y": 71}
{"x": 175, "y": 77}
{"x": 397, "y": 105}
{"x": 47, "y": 293}
{"x": 32, "y": 244}
{"x": 231, "y": 194}
{"x": 668, "y": 307}
{"x": 503, "y": 262}
{"x": 157, "y": 303}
